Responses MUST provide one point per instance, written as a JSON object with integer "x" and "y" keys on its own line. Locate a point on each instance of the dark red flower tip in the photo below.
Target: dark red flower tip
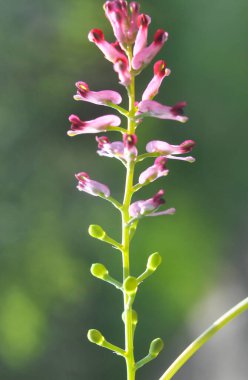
{"x": 101, "y": 141}
{"x": 159, "y": 68}
{"x": 122, "y": 63}
{"x": 187, "y": 145}
{"x": 82, "y": 87}
{"x": 157, "y": 198}
{"x": 74, "y": 119}
{"x": 143, "y": 20}
{"x": 130, "y": 140}
{"x": 82, "y": 176}
{"x": 160, "y": 36}
{"x": 177, "y": 110}
{"x": 161, "y": 162}
{"x": 134, "y": 7}
{"x": 96, "y": 35}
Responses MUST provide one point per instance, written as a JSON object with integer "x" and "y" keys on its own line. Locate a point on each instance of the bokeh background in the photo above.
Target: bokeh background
{"x": 48, "y": 299}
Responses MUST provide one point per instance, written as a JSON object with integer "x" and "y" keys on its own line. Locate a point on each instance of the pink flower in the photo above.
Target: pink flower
{"x": 167, "y": 150}
{"x": 141, "y": 38}
{"x": 99, "y": 97}
{"x": 123, "y": 150}
{"x": 147, "y": 54}
{"x": 155, "y": 171}
{"x": 91, "y": 187}
{"x": 110, "y": 52}
{"x": 100, "y": 124}
{"x": 122, "y": 68}
{"x": 148, "y": 207}
{"x": 124, "y": 25}
{"x": 155, "y": 109}
{"x": 160, "y": 72}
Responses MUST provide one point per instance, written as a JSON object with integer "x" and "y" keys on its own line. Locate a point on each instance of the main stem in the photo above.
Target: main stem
{"x": 128, "y": 313}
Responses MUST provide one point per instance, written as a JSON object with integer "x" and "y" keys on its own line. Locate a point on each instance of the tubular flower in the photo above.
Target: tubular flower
{"x": 141, "y": 38}
{"x": 100, "y": 124}
{"x": 147, "y": 54}
{"x": 148, "y": 207}
{"x": 96, "y": 97}
{"x": 109, "y": 51}
{"x": 91, "y": 187}
{"x": 155, "y": 109}
{"x": 122, "y": 69}
{"x": 155, "y": 171}
{"x": 169, "y": 151}
{"x": 160, "y": 72}
{"x": 124, "y": 24}
{"x": 119, "y": 149}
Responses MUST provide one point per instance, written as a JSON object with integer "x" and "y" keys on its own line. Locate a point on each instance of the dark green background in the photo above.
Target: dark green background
{"x": 48, "y": 299}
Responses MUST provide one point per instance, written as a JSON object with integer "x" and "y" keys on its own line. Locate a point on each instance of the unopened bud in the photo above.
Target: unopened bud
{"x": 96, "y": 232}
{"x": 95, "y": 336}
{"x": 154, "y": 261}
{"x": 134, "y": 317}
{"x": 99, "y": 270}
{"x": 156, "y": 347}
{"x": 130, "y": 285}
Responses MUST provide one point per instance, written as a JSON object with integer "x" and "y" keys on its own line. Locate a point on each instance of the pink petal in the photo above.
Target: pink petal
{"x": 91, "y": 187}
{"x": 122, "y": 69}
{"x": 161, "y": 111}
{"x": 169, "y": 211}
{"x": 141, "y": 38}
{"x": 110, "y": 52}
{"x": 162, "y": 147}
{"x": 96, "y": 97}
{"x": 99, "y": 124}
{"x": 147, "y": 54}
{"x": 160, "y": 72}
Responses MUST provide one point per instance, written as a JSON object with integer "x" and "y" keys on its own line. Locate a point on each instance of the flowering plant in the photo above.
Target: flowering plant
{"x": 130, "y": 54}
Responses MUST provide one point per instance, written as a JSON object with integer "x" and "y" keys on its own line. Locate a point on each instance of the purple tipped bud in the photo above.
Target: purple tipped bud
{"x": 160, "y": 72}
{"x": 100, "y": 124}
{"x": 91, "y": 187}
{"x": 146, "y": 207}
{"x": 169, "y": 151}
{"x": 155, "y": 171}
{"x": 155, "y": 109}
{"x": 96, "y": 97}
{"x": 146, "y": 55}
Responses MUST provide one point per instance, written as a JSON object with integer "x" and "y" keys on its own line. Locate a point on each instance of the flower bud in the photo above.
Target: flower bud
{"x": 134, "y": 317}
{"x": 130, "y": 285}
{"x": 156, "y": 347}
{"x": 96, "y": 232}
{"x": 96, "y": 337}
{"x": 99, "y": 270}
{"x": 154, "y": 261}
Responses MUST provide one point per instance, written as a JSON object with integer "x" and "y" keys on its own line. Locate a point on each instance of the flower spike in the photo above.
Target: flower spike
{"x": 96, "y": 97}
{"x": 147, "y": 54}
{"x": 155, "y": 109}
{"x": 100, "y": 124}
{"x": 91, "y": 187}
{"x": 160, "y": 72}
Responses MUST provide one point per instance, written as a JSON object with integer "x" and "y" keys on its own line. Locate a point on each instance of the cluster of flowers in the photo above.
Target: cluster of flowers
{"x": 130, "y": 29}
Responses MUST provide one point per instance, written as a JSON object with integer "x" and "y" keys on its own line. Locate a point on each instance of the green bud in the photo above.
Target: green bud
{"x": 156, "y": 347}
{"x": 96, "y": 232}
{"x": 154, "y": 261}
{"x": 96, "y": 337}
{"x": 99, "y": 270}
{"x": 134, "y": 317}
{"x": 130, "y": 285}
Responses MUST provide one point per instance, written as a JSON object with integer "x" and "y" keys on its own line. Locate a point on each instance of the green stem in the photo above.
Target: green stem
{"x": 130, "y": 362}
{"x": 203, "y": 338}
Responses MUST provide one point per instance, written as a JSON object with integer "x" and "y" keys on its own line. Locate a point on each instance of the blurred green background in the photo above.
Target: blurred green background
{"x": 48, "y": 299}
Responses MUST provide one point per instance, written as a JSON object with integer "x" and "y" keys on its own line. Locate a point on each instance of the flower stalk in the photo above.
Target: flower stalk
{"x": 130, "y": 54}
